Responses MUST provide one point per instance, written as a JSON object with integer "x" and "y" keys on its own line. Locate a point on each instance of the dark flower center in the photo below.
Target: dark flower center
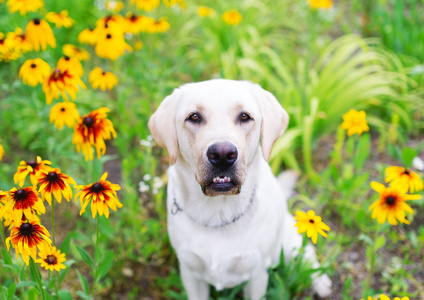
{"x": 56, "y": 74}
{"x": 88, "y": 121}
{"x": 390, "y": 200}
{"x": 97, "y": 187}
{"x": 32, "y": 163}
{"x": 20, "y": 195}
{"x": 62, "y": 109}
{"x": 106, "y": 26}
{"x": 36, "y": 21}
{"x": 108, "y": 36}
{"x": 406, "y": 172}
{"x": 52, "y": 177}
{"x": 311, "y": 221}
{"x": 104, "y": 73}
{"x": 133, "y": 17}
{"x": 51, "y": 260}
{"x": 66, "y": 58}
{"x": 26, "y": 229}
{"x": 91, "y": 29}
{"x": 33, "y": 66}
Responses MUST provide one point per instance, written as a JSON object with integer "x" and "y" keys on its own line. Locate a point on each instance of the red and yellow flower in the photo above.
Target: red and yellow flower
{"x": 61, "y": 82}
{"x": 71, "y": 64}
{"x": 51, "y": 259}
{"x": 92, "y": 130}
{"x": 136, "y": 24}
{"x": 27, "y": 237}
{"x": 54, "y": 182}
{"x": 23, "y": 202}
{"x": 32, "y": 168}
{"x": 102, "y": 196}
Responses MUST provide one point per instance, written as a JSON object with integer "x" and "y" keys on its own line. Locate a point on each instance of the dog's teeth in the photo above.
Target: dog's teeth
{"x": 221, "y": 179}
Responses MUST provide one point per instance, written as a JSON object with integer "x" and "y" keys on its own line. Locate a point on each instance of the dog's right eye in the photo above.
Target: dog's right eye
{"x": 194, "y": 117}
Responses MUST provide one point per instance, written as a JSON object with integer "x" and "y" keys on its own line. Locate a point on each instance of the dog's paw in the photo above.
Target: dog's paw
{"x": 322, "y": 286}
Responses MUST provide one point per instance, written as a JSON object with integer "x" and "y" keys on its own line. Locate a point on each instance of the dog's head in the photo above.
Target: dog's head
{"x": 215, "y": 127}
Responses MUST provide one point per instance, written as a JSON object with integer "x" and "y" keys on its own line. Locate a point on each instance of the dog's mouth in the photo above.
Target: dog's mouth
{"x": 221, "y": 185}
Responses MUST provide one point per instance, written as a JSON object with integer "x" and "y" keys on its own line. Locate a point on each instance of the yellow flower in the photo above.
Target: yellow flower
{"x": 92, "y": 130}
{"x": 8, "y": 217}
{"x": 20, "y": 40}
{"x": 114, "y": 6}
{"x": 88, "y": 36}
{"x": 61, "y": 82}
{"x": 325, "y": 4}
{"x": 369, "y": 298}
{"x": 27, "y": 237}
{"x": 74, "y": 51}
{"x": 404, "y": 177}
{"x": 136, "y": 24}
{"x": 40, "y": 35}
{"x": 34, "y": 71}
{"x": 23, "y": 202}
{"x": 54, "y": 182}
{"x": 24, "y": 6}
{"x": 102, "y": 196}
{"x": 64, "y": 113}
{"x": 391, "y": 204}
{"x": 147, "y": 5}
{"x": 384, "y": 297}
{"x": 71, "y": 64}
{"x": 60, "y": 19}
{"x": 160, "y": 25}
{"x": 111, "y": 44}
{"x": 1, "y": 151}
{"x": 32, "y": 168}
{"x": 205, "y": 11}
{"x": 310, "y": 223}
{"x": 9, "y": 49}
{"x": 51, "y": 259}
{"x": 115, "y": 23}
{"x": 232, "y": 17}
{"x": 354, "y": 121}
{"x": 102, "y": 79}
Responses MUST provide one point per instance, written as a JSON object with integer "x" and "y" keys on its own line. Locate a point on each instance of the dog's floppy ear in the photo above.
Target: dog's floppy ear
{"x": 162, "y": 125}
{"x": 274, "y": 120}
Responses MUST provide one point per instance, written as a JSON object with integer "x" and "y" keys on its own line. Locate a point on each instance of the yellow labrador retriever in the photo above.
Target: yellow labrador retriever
{"x": 227, "y": 213}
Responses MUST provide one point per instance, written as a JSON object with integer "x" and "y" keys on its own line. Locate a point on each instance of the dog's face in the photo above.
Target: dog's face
{"x": 216, "y": 126}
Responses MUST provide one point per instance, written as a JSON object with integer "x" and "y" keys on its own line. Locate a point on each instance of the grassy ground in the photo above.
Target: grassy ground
{"x": 318, "y": 63}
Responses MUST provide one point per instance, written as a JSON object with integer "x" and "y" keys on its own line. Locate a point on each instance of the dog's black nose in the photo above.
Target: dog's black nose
{"x": 222, "y": 155}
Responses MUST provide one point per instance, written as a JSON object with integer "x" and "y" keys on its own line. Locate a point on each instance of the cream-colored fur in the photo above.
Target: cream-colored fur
{"x": 226, "y": 237}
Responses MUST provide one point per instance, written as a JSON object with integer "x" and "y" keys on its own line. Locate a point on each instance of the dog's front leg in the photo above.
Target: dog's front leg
{"x": 255, "y": 288}
{"x": 196, "y": 288}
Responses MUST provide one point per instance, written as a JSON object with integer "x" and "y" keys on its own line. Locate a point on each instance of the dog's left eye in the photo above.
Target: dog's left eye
{"x": 244, "y": 117}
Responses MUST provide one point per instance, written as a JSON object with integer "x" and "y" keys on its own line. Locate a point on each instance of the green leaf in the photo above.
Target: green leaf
{"x": 65, "y": 295}
{"x": 379, "y": 242}
{"x": 11, "y": 291}
{"x": 366, "y": 239}
{"x": 64, "y": 246}
{"x": 83, "y": 295}
{"x": 6, "y": 257}
{"x": 105, "y": 265}
{"x": 86, "y": 257}
{"x": 84, "y": 283}
{"x": 408, "y": 154}
{"x": 23, "y": 274}
{"x": 362, "y": 152}
{"x": 26, "y": 283}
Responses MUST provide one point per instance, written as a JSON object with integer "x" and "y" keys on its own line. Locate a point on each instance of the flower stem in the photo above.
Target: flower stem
{"x": 53, "y": 238}
{"x": 31, "y": 261}
{"x": 3, "y": 237}
{"x": 93, "y": 290}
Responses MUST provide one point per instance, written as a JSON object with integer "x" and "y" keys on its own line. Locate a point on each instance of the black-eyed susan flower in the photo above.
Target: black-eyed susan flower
{"x": 384, "y": 297}
{"x": 8, "y": 49}
{"x": 20, "y": 40}
{"x": 205, "y": 11}
{"x": 354, "y": 121}
{"x": 1, "y": 151}
{"x": 160, "y": 25}
{"x": 55, "y": 182}
{"x": 64, "y": 113}
{"x": 101, "y": 194}
{"x": 310, "y": 223}
{"x": 115, "y": 23}
{"x": 20, "y": 202}
{"x": 320, "y": 4}
{"x": 114, "y": 6}
{"x": 40, "y": 34}
{"x": 404, "y": 177}
{"x": 391, "y": 204}
{"x": 61, "y": 82}
{"x": 92, "y": 130}
{"x": 24, "y": 6}
{"x": 88, "y": 36}
{"x": 232, "y": 17}
{"x": 27, "y": 237}
{"x": 30, "y": 168}
{"x": 147, "y": 5}
{"x": 136, "y": 24}
{"x": 102, "y": 79}
{"x": 111, "y": 44}
{"x": 74, "y": 51}
{"x": 59, "y": 19}
{"x": 34, "y": 71}
{"x": 51, "y": 259}
{"x": 71, "y": 64}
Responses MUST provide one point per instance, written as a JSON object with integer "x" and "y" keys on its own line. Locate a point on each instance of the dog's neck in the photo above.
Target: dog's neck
{"x": 217, "y": 211}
